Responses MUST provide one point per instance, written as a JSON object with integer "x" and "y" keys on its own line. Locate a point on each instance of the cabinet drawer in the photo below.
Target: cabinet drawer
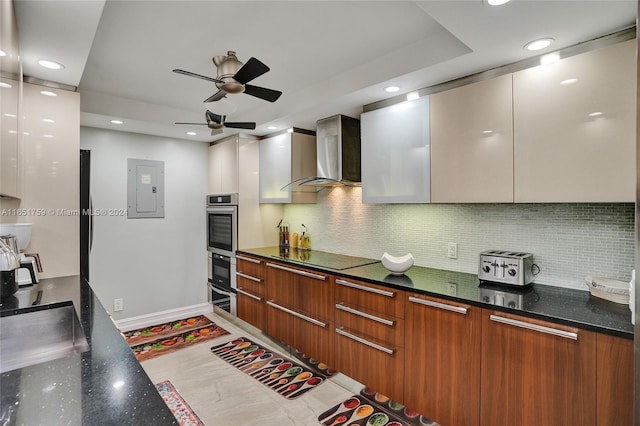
{"x": 372, "y": 324}
{"x": 307, "y": 291}
{"x": 307, "y": 334}
{"x": 251, "y": 308}
{"x": 376, "y": 364}
{"x": 248, "y": 265}
{"x": 372, "y": 297}
{"x": 250, "y": 283}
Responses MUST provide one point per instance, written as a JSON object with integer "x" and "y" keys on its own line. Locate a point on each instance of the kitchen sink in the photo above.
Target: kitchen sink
{"x": 40, "y": 335}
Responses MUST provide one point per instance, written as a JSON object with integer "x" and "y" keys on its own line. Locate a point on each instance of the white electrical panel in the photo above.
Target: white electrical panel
{"x": 145, "y": 189}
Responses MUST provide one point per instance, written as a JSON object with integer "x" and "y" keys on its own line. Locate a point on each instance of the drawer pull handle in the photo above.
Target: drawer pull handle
{"x": 249, "y": 277}
{"x": 248, "y": 259}
{"x": 295, "y": 314}
{"x": 364, "y": 341}
{"x": 239, "y": 290}
{"x": 297, "y": 271}
{"x": 364, "y": 314}
{"x": 534, "y": 327}
{"x": 365, "y": 288}
{"x": 438, "y": 305}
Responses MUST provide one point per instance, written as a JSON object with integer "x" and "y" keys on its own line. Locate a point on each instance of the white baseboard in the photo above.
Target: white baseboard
{"x": 133, "y": 323}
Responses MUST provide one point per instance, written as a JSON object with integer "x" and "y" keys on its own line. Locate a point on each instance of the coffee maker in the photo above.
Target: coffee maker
{"x": 9, "y": 264}
{"x": 27, "y": 274}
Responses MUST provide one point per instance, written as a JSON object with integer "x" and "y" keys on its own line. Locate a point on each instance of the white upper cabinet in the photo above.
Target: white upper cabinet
{"x": 285, "y": 158}
{"x": 223, "y": 166}
{"x": 574, "y": 126}
{"x": 395, "y": 153}
{"x": 472, "y": 143}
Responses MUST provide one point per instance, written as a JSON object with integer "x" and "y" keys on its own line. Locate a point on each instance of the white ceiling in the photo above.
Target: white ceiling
{"x": 327, "y": 57}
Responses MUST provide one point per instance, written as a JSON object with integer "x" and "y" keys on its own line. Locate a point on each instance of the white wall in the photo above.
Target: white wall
{"x": 568, "y": 240}
{"x": 153, "y": 264}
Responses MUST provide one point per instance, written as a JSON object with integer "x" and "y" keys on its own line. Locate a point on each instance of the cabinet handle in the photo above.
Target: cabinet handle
{"x": 249, "y": 277}
{"x": 364, "y": 314}
{"x": 295, "y": 314}
{"x": 534, "y": 327}
{"x": 239, "y": 290}
{"x": 297, "y": 271}
{"x": 248, "y": 259}
{"x": 365, "y": 288}
{"x": 438, "y": 305}
{"x": 364, "y": 341}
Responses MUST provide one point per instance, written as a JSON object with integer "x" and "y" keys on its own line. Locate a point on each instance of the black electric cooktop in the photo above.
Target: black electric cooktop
{"x": 323, "y": 259}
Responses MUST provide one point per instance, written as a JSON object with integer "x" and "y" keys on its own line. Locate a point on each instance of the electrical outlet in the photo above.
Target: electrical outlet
{"x": 118, "y": 305}
{"x": 452, "y": 289}
{"x": 452, "y": 250}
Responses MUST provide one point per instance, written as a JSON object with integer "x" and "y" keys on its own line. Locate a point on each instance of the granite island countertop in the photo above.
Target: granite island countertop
{"x": 561, "y": 305}
{"x": 105, "y": 385}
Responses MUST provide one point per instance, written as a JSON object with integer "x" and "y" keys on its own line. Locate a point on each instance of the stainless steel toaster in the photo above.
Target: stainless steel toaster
{"x": 506, "y": 267}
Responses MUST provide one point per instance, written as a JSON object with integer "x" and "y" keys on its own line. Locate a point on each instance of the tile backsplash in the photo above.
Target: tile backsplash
{"x": 568, "y": 241}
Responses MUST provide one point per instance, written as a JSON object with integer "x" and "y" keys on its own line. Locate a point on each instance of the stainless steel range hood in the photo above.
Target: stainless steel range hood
{"x": 338, "y": 152}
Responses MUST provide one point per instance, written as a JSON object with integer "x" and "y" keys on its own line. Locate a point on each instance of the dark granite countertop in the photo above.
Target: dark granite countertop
{"x": 103, "y": 386}
{"x": 562, "y": 305}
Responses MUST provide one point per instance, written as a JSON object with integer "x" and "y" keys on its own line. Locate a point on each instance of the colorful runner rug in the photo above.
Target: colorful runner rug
{"x": 371, "y": 408}
{"x": 182, "y": 411}
{"x": 284, "y": 376}
{"x": 149, "y": 342}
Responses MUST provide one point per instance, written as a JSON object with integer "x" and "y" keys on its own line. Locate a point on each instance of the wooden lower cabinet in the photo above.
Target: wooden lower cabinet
{"x": 615, "y": 381}
{"x": 536, "y": 372}
{"x": 301, "y": 331}
{"x": 251, "y": 308}
{"x": 442, "y": 353}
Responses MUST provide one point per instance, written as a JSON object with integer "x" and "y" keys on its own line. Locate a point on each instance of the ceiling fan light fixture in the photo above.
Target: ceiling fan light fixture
{"x": 539, "y": 44}
{"x": 52, "y": 65}
{"x": 497, "y": 2}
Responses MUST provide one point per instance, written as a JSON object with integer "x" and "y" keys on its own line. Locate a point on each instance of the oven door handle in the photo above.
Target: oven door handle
{"x": 218, "y": 290}
{"x": 220, "y": 209}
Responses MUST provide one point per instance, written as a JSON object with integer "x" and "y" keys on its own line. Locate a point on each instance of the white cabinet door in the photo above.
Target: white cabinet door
{"x": 285, "y": 158}
{"x": 223, "y": 166}
{"x": 472, "y": 143}
{"x": 395, "y": 153}
{"x": 574, "y": 126}
{"x": 10, "y": 139}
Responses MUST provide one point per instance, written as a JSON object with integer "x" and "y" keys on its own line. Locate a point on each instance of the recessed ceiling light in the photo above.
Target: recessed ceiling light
{"x": 569, "y": 81}
{"x": 3, "y": 53}
{"x": 191, "y": 133}
{"x": 412, "y": 96}
{"x": 497, "y": 2}
{"x": 538, "y": 44}
{"x": 271, "y": 127}
{"x": 391, "y": 89}
{"x": 52, "y": 65}
{"x": 5, "y": 85}
{"x": 595, "y": 114}
{"x": 48, "y": 93}
{"x": 48, "y": 120}
{"x": 116, "y": 122}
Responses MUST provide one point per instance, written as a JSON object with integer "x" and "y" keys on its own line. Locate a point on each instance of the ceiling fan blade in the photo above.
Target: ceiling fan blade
{"x": 240, "y": 125}
{"x": 216, "y": 96}
{"x": 250, "y": 70}
{"x": 214, "y": 117}
{"x": 262, "y": 92}
{"x": 194, "y": 124}
{"x": 192, "y": 74}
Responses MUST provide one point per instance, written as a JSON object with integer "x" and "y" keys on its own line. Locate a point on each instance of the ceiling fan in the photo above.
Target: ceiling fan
{"x": 216, "y": 123}
{"x": 233, "y": 77}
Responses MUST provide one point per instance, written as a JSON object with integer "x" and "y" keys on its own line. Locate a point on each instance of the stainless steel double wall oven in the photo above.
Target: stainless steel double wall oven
{"x": 222, "y": 243}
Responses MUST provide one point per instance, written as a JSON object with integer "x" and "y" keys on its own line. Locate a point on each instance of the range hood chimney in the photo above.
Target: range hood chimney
{"x": 338, "y": 152}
